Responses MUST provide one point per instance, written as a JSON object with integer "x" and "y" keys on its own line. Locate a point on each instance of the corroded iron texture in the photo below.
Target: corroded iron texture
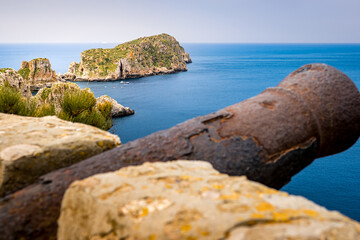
{"x": 313, "y": 112}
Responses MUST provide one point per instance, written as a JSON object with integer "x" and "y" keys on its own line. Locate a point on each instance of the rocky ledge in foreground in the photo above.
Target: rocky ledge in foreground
{"x": 31, "y": 147}
{"x": 159, "y": 54}
{"x": 191, "y": 200}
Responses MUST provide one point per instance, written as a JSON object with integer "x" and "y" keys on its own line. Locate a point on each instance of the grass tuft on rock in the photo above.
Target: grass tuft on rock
{"x": 79, "y": 106}
{"x": 11, "y": 101}
{"x": 46, "y": 109}
{"x": 75, "y": 102}
{"x": 105, "y": 108}
{"x": 24, "y": 73}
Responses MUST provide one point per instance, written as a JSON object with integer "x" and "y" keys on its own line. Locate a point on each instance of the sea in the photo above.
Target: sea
{"x": 220, "y": 75}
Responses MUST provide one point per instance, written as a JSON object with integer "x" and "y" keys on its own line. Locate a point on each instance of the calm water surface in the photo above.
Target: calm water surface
{"x": 221, "y": 75}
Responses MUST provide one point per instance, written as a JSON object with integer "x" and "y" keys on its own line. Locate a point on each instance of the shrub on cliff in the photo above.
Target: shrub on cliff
{"x": 105, "y": 108}
{"x": 12, "y": 102}
{"x": 24, "y": 73}
{"x": 75, "y": 102}
{"x": 46, "y": 109}
{"x": 79, "y": 106}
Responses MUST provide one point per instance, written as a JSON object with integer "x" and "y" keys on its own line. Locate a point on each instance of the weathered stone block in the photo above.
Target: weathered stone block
{"x": 31, "y": 147}
{"x": 191, "y": 200}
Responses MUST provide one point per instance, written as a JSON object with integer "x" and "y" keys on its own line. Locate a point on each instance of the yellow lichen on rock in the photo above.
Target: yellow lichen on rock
{"x": 191, "y": 200}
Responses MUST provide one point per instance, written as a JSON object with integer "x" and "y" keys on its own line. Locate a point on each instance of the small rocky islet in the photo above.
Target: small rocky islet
{"x": 38, "y": 73}
{"x": 174, "y": 200}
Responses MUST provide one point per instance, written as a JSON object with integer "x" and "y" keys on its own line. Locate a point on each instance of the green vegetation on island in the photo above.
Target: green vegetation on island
{"x": 25, "y": 72}
{"x": 141, "y": 57}
{"x": 3, "y": 70}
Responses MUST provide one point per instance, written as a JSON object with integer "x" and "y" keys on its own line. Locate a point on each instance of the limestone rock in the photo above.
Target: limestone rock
{"x": 73, "y": 67}
{"x": 159, "y": 54}
{"x": 15, "y": 80}
{"x": 70, "y": 75}
{"x": 187, "y": 58}
{"x": 67, "y": 76}
{"x": 31, "y": 147}
{"x": 117, "y": 110}
{"x": 59, "y": 77}
{"x": 191, "y": 200}
{"x": 38, "y": 72}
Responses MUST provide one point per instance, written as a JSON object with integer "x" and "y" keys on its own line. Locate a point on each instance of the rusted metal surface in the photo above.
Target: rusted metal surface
{"x": 313, "y": 112}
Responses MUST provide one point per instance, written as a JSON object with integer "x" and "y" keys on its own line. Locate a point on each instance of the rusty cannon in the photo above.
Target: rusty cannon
{"x": 313, "y": 112}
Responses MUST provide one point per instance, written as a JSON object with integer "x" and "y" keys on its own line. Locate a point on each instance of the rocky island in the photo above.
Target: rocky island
{"x": 38, "y": 73}
{"x": 146, "y": 56}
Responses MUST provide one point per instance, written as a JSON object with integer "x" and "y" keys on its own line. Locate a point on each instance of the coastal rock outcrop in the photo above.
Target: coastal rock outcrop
{"x": 38, "y": 73}
{"x": 31, "y": 147}
{"x": 191, "y": 200}
{"x": 14, "y": 79}
{"x": 54, "y": 95}
{"x": 159, "y": 54}
{"x": 187, "y": 58}
{"x": 117, "y": 110}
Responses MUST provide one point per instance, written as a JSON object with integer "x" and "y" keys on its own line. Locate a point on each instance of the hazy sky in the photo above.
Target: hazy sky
{"x": 325, "y": 21}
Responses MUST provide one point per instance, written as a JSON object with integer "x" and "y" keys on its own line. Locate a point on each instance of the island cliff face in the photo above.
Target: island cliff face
{"x": 146, "y": 56}
{"x": 38, "y": 73}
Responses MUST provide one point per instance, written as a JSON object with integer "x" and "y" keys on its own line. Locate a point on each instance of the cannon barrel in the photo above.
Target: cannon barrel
{"x": 313, "y": 112}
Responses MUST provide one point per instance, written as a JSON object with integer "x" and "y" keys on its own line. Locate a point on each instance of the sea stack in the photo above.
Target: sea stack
{"x": 38, "y": 73}
{"x": 146, "y": 56}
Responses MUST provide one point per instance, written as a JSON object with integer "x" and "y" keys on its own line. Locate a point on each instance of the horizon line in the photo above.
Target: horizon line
{"x": 105, "y": 43}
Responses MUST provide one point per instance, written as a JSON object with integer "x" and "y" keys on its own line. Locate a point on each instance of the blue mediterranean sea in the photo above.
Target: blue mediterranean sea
{"x": 221, "y": 75}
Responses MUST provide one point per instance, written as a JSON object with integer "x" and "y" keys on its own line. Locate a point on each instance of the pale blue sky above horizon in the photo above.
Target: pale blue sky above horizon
{"x": 204, "y": 21}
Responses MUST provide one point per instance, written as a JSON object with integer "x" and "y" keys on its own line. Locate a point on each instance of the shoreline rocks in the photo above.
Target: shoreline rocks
{"x": 117, "y": 110}
{"x": 31, "y": 147}
{"x": 146, "y": 56}
{"x": 191, "y": 200}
